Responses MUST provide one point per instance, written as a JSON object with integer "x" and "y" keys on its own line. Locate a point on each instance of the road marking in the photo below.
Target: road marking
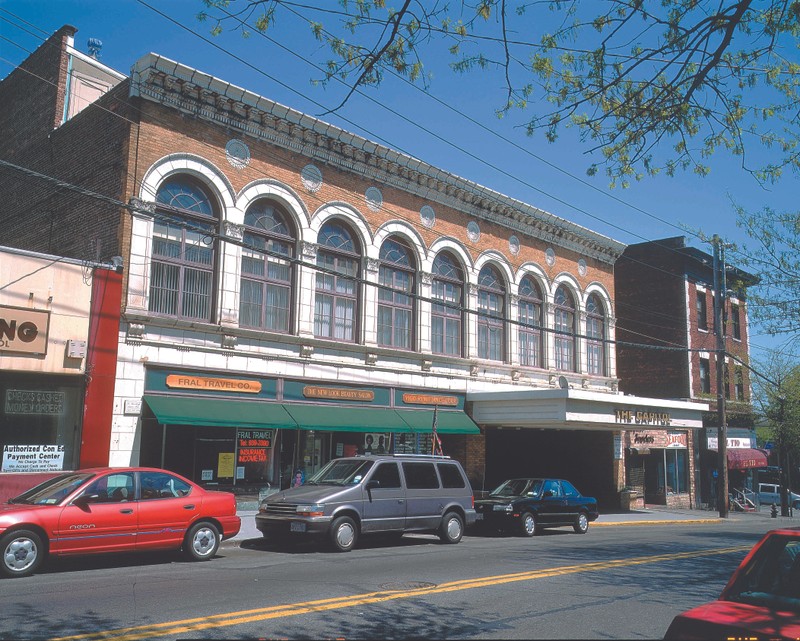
{"x": 293, "y": 609}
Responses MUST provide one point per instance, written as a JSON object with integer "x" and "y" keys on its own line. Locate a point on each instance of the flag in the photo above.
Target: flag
{"x": 436, "y": 444}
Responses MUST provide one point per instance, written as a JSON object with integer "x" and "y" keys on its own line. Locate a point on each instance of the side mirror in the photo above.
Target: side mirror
{"x": 547, "y": 494}
{"x": 85, "y": 499}
{"x": 373, "y": 484}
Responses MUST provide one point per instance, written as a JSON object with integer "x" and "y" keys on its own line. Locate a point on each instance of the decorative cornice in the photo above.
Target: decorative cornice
{"x": 180, "y": 87}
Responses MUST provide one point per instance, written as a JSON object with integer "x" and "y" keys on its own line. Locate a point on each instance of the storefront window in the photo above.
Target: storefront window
{"x": 677, "y": 471}
{"x": 40, "y": 422}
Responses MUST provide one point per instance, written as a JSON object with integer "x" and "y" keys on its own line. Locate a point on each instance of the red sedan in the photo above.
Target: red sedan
{"x": 760, "y": 601}
{"x": 113, "y": 510}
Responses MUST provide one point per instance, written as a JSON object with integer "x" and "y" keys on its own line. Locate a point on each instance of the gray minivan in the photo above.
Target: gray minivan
{"x": 370, "y": 494}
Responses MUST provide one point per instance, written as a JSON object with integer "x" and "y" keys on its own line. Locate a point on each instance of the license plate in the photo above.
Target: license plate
{"x": 479, "y": 517}
{"x": 297, "y": 527}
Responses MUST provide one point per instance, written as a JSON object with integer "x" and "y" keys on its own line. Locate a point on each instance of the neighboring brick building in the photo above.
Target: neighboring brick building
{"x": 665, "y": 300}
{"x": 291, "y": 286}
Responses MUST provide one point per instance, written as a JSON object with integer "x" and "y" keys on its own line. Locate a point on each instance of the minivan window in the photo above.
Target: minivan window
{"x": 387, "y": 475}
{"x": 420, "y": 476}
{"x": 450, "y": 475}
{"x": 341, "y": 472}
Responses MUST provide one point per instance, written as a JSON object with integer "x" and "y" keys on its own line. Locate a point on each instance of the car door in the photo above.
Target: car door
{"x": 384, "y": 505}
{"x": 424, "y": 504}
{"x": 553, "y": 504}
{"x": 103, "y": 518}
{"x": 167, "y": 505}
{"x": 573, "y": 501}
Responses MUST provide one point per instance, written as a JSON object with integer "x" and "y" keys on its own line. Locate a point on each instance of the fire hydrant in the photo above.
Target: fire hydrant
{"x": 774, "y": 511}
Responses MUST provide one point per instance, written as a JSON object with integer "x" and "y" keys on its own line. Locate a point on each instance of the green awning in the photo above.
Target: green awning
{"x": 334, "y": 418}
{"x": 447, "y": 421}
{"x": 195, "y": 410}
{"x": 227, "y": 412}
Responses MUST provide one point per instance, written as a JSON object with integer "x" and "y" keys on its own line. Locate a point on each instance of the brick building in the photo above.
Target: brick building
{"x": 665, "y": 300}
{"x": 294, "y": 292}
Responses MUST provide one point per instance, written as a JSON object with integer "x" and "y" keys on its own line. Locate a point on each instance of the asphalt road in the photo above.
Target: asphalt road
{"x": 612, "y": 583}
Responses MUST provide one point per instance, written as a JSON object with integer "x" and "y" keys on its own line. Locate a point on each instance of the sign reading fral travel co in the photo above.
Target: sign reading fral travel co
{"x": 23, "y": 330}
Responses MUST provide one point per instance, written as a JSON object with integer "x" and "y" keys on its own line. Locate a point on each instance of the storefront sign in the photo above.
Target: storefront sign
{"x": 733, "y": 443}
{"x": 253, "y": 446}
{"x": 430, "y": 399}
{"x": 33, "y": 458}
{"x": 19, "y": 401}
{"x": 181, "y": 381}
{"x": 618, "y": 449}
{"x": 661, "y": 439}
{"x": 312, "y": 391}
{"x": 642, "y": 418}
{"x": 23, "y": 330}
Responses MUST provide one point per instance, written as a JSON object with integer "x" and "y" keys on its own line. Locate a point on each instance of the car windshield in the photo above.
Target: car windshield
{"x": 341, "y": 472}
{"x": 772, "y": 577}
{"x": 518, "y": 487}
{"x": 53, "y": 490}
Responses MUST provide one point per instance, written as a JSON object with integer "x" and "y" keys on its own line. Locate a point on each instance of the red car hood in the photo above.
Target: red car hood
{"x": 6, "y": 508}
{"x": 725, "y": 619}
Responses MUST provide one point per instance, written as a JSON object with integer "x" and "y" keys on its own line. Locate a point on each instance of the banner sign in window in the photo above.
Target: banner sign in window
{"x": 253, "y": 445}
{"x": 33, "y": 458}
{"x": 19, "y": 401}
{"x": 23, "y": 330}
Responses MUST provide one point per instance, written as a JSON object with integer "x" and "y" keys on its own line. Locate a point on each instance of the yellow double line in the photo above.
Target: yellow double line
{"x": 293, "y": 609}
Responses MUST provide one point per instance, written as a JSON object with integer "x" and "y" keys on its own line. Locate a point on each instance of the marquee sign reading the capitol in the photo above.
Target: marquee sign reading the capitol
{"x": 642, "y": 418}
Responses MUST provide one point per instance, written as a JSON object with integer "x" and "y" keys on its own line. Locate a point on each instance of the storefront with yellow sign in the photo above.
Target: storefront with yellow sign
{"x": 257, "y": 433}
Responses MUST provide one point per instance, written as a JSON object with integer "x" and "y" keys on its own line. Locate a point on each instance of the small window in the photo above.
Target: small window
{"x": 450, "y": 475}
{"x": 702, "y": 316}
{"x": 159, "y": 485}
{"x": 736, "y": 322}
{"x": 705, "y": 376}
{"x": 420, "y": 476}
{"x": 387, "y": 475}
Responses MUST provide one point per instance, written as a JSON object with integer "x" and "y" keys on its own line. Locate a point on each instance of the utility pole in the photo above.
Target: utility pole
{"x": 722, "y": 440}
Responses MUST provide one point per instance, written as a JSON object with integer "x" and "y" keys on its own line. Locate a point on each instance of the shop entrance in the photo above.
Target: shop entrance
{"x": 582, "y": 457}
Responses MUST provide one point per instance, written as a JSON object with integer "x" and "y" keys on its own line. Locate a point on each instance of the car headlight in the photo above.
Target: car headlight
{"x": 317, "y": 509}
{"x": 503, "y": 508}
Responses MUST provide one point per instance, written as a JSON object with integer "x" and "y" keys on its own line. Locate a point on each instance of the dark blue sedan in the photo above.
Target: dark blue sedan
{"x": 529, "y": 505}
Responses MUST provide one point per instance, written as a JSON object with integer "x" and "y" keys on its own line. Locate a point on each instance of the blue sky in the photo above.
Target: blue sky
{"x": 417, "y": 124}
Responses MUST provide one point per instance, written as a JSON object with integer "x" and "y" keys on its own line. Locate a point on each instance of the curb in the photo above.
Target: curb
{"x": 657, "y": 522}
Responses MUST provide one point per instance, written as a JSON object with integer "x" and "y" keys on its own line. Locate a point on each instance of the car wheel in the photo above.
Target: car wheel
{"x": 202, "y": 541}
{"x": 581, "y": 525}
{"x": 344, "y": 534}
{"x": 528, "y": 524}
{"x": 452, "y": 528}
{"x": 23, "y": 552}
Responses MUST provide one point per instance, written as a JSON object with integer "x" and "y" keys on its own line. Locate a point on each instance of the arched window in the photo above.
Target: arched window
{"x": 565, "y": 335}
{"x": 396, "y": 295}
{"x": 336, "y": 302}
{"x": 447, "y": 292}
{"x": 491, "y": 314}
{"x": 267, "y": 274}
{"x": 184, "y": 231}
{"x": 595, "y": 335}
{"x": 530, "y": 323}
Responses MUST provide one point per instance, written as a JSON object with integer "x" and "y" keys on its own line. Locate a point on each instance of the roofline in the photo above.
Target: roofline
{"x": 247, "y": 111}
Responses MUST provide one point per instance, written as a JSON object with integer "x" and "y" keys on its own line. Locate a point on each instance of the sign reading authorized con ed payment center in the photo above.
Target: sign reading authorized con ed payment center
{"x": 23, "y": 330}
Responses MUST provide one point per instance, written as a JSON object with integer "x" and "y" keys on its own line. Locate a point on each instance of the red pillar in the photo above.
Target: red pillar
{"x": 101, "y": 367}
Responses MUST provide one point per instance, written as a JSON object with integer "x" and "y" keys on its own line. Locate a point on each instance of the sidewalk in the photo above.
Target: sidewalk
{"x": 652, "y": 515}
